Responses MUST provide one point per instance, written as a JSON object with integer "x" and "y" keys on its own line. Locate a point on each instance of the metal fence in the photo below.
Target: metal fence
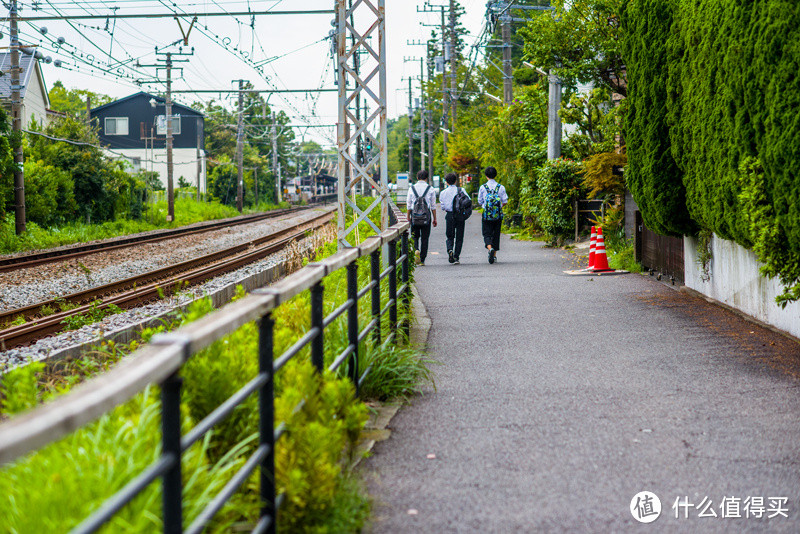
{"x": 161, "y": 361}
{"x": 659, "y": 253}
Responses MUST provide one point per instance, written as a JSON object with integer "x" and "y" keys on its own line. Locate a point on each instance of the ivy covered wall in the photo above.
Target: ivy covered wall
{"x": 714, "y": 128}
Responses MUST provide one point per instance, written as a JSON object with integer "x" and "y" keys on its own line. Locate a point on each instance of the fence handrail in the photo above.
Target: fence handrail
{"x": 154, "y": 363}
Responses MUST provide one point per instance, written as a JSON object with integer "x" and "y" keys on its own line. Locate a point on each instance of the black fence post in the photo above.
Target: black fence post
{"x": 172, "y": 486}
{"x": 266, "y": 419}
{"x": 407, "y": 291}
{"x": 375, "y": 271}
{"x": 352, "y": 321}
{"x": 393, "y": 287}
{"x": 317, "y": 317}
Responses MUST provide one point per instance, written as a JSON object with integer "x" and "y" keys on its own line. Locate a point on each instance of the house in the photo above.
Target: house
{"x": 35, "y": 101}
{"x": 134, "y": 127}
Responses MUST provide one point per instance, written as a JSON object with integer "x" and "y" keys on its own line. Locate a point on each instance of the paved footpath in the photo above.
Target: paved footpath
{"x": 559, "y": 398}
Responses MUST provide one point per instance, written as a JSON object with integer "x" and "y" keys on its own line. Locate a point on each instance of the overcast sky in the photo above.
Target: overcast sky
{"x": 291, "y": 48}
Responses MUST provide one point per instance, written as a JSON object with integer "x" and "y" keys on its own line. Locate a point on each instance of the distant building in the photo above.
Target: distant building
{"x": 135, "y": 128}
{"x": 35, "y": 102}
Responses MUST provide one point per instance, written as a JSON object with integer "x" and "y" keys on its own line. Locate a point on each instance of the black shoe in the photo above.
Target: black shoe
{"x": 450, "y": 256}
{"x": 491, "y": 256}
{"x": 456, "y": 262}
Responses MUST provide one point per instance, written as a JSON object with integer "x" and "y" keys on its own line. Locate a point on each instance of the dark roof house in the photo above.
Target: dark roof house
{"x": 138, "y": 121}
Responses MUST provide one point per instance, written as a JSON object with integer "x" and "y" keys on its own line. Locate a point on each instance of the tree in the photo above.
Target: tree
{"x": 73, "y": 101}
{"x": 8, "y": 141}
{"x": 581, "y": 40}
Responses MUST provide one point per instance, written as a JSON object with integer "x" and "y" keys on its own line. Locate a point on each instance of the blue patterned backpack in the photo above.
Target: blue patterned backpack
{"x": 492, "y": 206}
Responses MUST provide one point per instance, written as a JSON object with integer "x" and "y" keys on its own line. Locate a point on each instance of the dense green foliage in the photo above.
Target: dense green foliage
{"x": 558, "y": 183}
{"x": 580, "y": 39}
{"x": 713, "y": 130}
{"x": 73, "y": 101}
{"x": 7, "y": 143}
{"x": 653, "y": 175}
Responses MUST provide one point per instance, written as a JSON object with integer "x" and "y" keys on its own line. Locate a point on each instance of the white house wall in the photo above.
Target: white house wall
{"x": 735, "y": 280}
{"x": 184, "y": 163}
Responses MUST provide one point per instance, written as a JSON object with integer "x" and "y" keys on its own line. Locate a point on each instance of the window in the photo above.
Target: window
{"x": 116, "y": 126}
{"x": 161, "y": 125}
{"x": 137, "y": 164}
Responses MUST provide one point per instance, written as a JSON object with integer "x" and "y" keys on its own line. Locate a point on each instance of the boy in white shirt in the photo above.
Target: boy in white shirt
{"x": 421, "y": 231}
{"x": 454, "y": 230}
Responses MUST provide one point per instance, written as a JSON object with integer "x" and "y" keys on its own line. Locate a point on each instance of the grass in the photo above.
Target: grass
{"x": 187, "y": 211}
{"x": 311, "y": 461}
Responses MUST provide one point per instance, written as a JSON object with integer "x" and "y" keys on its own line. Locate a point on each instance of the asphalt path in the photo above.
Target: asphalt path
{"x": 560, "y": 398}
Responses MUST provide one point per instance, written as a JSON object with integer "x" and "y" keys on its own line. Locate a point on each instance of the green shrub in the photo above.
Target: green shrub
{"x": 558, "y": 183}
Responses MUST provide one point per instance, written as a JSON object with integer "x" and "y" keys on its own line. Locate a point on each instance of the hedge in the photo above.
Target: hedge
{"x": 714, "y": 128}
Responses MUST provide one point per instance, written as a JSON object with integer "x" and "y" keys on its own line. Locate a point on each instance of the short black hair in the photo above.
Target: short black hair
{"x": 450, "y": 178}
{"x": 422, "y": 175}
{"x": 490, "y": 172}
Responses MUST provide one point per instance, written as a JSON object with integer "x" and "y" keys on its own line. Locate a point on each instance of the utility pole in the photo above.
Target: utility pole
{"x": 410, "y": 133}
{"x": 278, "y": 189}
{"x": 453, "y": 65}
{"x": 255, "y": 183}
{"x": 169, "y": 62}
{"x": 553, "y": 120}
{"x": 16, "y": 123}
{"x": 422, "y": 114}
{"x": 508, "y": 78}
{"x": 199, "y": 128}
{"x": 445, "y": 95}
{"x": 170, "y": 188}
{"x": 240, "y": 151}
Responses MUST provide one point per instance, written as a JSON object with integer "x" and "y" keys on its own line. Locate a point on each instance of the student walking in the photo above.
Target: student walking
{"x": 421, "y": 205}
{"x": 457, "y": 207}
{"x": 492, "y": 197}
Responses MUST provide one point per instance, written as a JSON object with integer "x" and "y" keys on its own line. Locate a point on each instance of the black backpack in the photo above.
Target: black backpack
{"x": 462, "y": 206}
{"x": 420, "y": 213}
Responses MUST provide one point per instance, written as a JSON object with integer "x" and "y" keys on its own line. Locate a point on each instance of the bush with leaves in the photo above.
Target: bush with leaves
{"x": 558, "y": 183}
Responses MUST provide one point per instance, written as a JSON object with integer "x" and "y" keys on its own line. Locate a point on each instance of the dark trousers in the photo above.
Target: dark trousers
{"x": 491, "y": 232}
{"x": 423, "y": 232}
{"x": 454, "y": 231}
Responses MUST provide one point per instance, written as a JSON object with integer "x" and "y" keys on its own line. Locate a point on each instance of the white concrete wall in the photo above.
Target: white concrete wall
{"x": 184, "y": 163}
{"x": 735, "y": 280}
{"x": 34, "y": 104}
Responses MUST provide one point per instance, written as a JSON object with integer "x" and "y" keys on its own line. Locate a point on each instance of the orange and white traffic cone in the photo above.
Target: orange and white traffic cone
{"x": 592, "y": 245}
{"x": 600, "y": 258}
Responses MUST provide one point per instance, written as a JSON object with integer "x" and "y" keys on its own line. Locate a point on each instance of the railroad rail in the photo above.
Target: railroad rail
{"x": 51, "y": 256}
{"x": 137, "y": 290}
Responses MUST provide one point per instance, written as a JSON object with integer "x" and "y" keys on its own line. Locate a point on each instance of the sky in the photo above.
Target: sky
{"x": 291, "y": 50}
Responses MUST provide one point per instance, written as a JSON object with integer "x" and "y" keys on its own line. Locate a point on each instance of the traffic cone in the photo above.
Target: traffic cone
{"x": 592, "y": 244}
{"x": 600, "y": 259}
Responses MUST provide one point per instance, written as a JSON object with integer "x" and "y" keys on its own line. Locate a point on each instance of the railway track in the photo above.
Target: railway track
{"x": 50, "y": 256}
{"x": 137, "y": 290}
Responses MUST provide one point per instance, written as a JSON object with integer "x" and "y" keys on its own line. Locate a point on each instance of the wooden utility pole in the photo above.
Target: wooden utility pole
{"x": 16, "y": 123}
